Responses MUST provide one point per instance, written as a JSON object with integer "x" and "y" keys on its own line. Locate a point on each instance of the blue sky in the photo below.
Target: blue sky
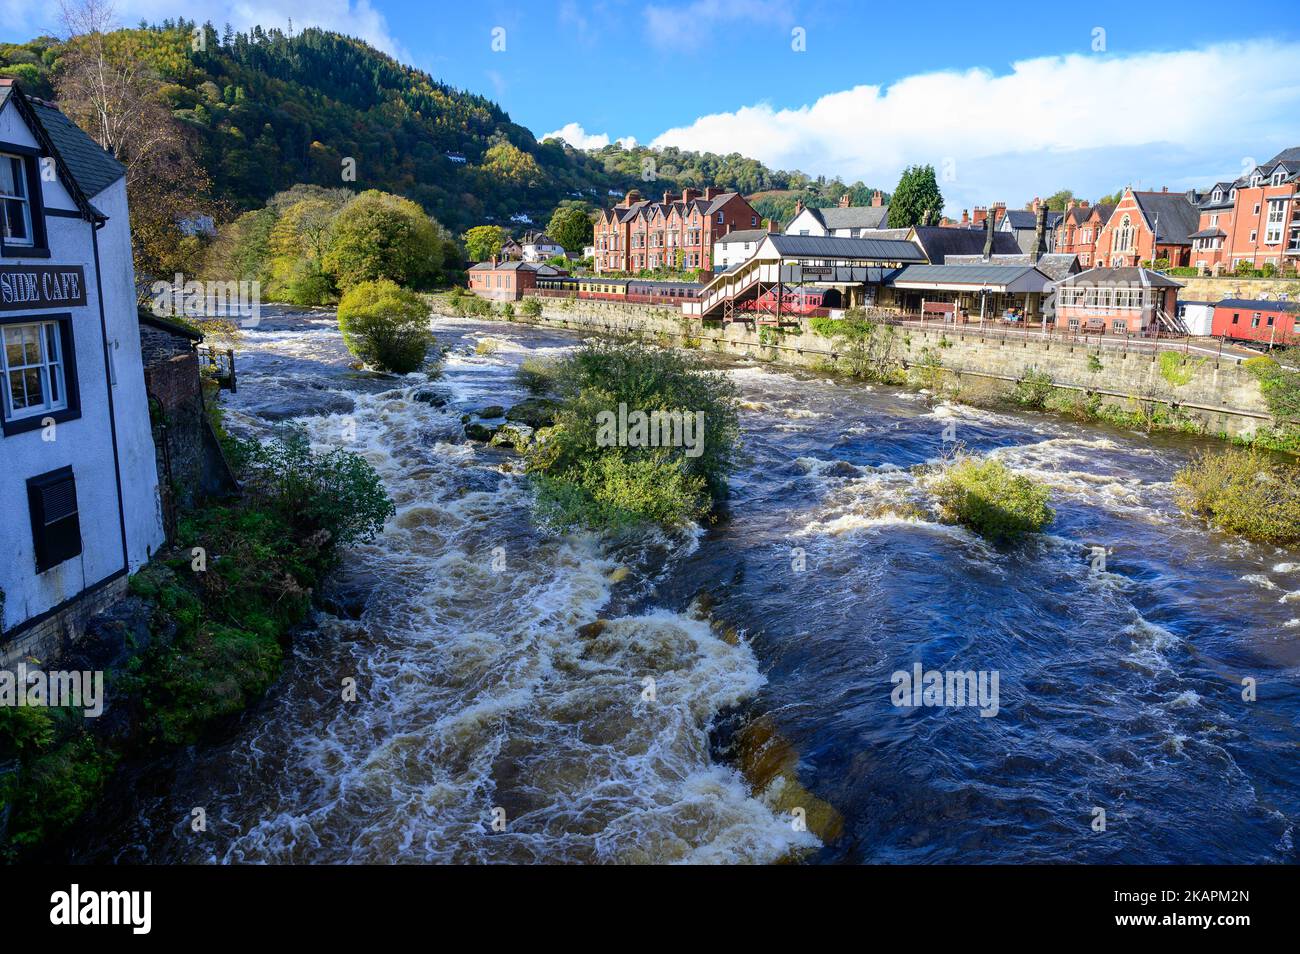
{"x": 1006, "y": 100}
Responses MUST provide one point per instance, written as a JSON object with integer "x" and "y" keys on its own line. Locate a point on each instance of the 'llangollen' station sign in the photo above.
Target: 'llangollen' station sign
{"x": 41, "y": 286}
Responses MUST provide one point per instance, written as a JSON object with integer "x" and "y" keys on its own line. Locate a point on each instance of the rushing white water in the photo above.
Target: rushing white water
{"x": 489, "y": 725}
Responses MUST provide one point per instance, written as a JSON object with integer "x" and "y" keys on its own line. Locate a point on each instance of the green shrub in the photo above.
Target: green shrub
{"x": 1094, "y": 363}
{"x": 337, "y": 491}
{"x": 537, "y": 375}
{"x": 386, "y": 326}
{"x": 581, "y": 482}
{"x": 1175, "y": 370}
{"x": 531, "y": 308}
{"x": 1032, "y": 389}
{"x": 1280, "y": 387}
{"x": 308, "y": 285}
{"x": 991, "y": 499}
{"x": 1243, "y": 491}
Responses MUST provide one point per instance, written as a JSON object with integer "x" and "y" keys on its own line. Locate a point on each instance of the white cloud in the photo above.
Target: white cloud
{"x": 352, "y": 17}
{"x": 579, "y": 138}
{"x": 687, "y": 27}
{"x": 1091, "y": 123}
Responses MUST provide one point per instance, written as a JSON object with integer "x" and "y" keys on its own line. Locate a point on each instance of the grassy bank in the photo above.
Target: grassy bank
{"x": 212, "y": 615}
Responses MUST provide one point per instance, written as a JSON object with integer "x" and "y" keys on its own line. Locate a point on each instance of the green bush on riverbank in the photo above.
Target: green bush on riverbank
{"x": 1243, "y": 491}
{"x": 991, "y": 499}
{"x": 386, "y": 326}
{"x": 589, "y": 475}
{"x": 221, "y": 602}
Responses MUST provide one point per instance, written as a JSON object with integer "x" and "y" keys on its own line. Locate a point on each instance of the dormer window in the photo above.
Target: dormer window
{"x": 1256, "y": 179}
{"x": 1218, "y": 195}
{"x": 1278, "y": 176}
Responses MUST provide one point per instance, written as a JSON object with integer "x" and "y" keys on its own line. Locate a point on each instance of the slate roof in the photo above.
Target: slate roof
{"x": 1259, "y": 304}
{"x": 938, "y": 242}
{"x": 743, "y": 235}
{"x": 93, "y": 168}
{"x": 540, "y": 267}
{"x": 1178, "y": 217}
{"x": 1055, "y": 265}
{"x": 853, "y": 216}
{"x": 1212, "y": 232}
{"x": 981, "y": 274}
{"x": 1129, "y": 275}
{"x": 832, "y": 246}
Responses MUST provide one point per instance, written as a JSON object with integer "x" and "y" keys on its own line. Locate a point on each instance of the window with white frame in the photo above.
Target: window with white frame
{"x": 32, "y": 362}
{"x": 1273, "y": 225}
{"x": 15, "y": 203}
{"x": 1124, "y": 235}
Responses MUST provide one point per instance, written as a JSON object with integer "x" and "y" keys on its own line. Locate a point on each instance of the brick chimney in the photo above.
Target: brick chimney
{"x": 632, "y": 197}
{"x": 798, "y": 206}
{"x": 1083, "y": 203}
{"x": 977, "y": 218}
{"x": 877, "y": 200}
{"x": 710, "y": 193}
{"x": 990, "y": 222}
{"x": 965, "y": 218}
{"x": 1070, "y": 205}
{"x": 773, "y": 227}
{"x": 668, "y": 197}
{"x": 846, "y": 200}
{"x": 689, "y": 194}
{"x": 1033, "y": 206}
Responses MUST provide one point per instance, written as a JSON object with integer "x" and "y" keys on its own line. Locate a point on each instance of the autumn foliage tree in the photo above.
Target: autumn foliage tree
{"x": 105, "y": 85}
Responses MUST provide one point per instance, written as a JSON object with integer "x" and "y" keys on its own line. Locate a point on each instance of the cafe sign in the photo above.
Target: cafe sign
{"x": 41, "y": 286}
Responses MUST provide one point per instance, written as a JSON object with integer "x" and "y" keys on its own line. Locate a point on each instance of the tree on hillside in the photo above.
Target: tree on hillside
{"x": 571, "y": 226}
{"x": 916, "y": 200}
{"x": 377, "y": 235}
{"x": 105, "y": 86}
{"x": 483, "y": 242}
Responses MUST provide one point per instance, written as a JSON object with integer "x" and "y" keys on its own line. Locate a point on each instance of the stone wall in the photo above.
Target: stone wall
{"x": 1222, "y": 395}
{"x": 46, "y": 640}
{"x": 1217, "y": 289}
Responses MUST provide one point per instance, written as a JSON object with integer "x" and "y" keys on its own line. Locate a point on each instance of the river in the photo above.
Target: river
{"x": 494, "y": 723}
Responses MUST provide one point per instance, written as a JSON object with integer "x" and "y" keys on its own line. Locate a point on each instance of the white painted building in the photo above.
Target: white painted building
{"x": 1197, "y": 316}
{"x": 841, "y": 221}
{"x": 736, "y": 247}
{"x": 539, "y": 247}
{"x": 79, "y": 504}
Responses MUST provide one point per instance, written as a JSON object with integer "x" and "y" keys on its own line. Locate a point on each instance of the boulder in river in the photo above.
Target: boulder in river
{"x": 430, "y": 397}
{"x": 491, "y": 411}
{"x": 283, "y": 404}
{"x": 478, "y": 431}
{"x": 536, "y": 412}
{"x": 347, "y": 591}
{"x": 511, "y": 434}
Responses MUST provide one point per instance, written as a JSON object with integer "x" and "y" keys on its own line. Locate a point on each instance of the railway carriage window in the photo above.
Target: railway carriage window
{"x": 1254, "y": 322}
{"x": 1235, "y": 316}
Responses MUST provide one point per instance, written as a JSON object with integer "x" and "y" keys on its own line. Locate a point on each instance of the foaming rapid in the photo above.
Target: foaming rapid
{"x": 678, "y": 697}
{"x": 498, "y": 717}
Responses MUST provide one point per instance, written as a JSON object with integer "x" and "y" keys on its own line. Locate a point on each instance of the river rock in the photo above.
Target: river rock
{"x": 347, "y": 591}
{"x": 477, "y": 431}
{"x": 518, "y": 436}
{"x": 491, "y": 411}
{"x": 536, "y": 412}
{"x": 283, "y": 404}
{"x": 430, "y": 397}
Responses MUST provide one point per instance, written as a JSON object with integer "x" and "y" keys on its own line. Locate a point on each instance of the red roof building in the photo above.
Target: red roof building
{"x": 673, "y": 234}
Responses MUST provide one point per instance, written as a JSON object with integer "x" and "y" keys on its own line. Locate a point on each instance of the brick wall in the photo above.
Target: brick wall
{"x": 47, "y": 640}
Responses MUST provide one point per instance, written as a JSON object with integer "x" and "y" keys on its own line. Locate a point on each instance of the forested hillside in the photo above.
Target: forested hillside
{"x": 266, "y": 110}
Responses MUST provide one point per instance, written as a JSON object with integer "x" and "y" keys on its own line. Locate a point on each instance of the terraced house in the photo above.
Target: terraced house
{"x": 675, "y": 233}
{"x": 1252, "y": 221}
{"x": 77, "y": 460}
{"x": 1078, "y": 229}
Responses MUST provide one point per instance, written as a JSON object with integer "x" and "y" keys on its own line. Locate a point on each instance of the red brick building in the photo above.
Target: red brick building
{"x": 1077, "y": 232}
{"x": 1123, "y": 301}
{"x": 1254, "y": 220}
{"x": 1147, "y": 226}
{"x": 1248, "y": 319}
{"x": 677, "y": 232}
{"x": 506, "y": 281}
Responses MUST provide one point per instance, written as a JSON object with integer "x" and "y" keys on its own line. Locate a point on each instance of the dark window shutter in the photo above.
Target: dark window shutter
{"x": 56, "y": 529}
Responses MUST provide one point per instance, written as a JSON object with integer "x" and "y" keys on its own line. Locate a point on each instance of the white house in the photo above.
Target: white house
{"x": 736, "y": 247}
{"x": 842, "y": 221}
{"x": 539, "y": 247}
{"x": 79, "y": 504}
